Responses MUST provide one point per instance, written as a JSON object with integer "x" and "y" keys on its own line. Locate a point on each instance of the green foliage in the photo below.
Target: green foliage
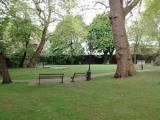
{"x": 151, "y": 20}
{"x": 19, "y": 33}
{"x": 18, "y": 29}
{"x": 68, "y": 36}
{"x": 3, "y": 26}
{"x": 15, "y": 34}
{"x": 68, "y": 5}
{"x": 100, "y": 34}
{"x": 152, "y": 7}
{"x": 100, "y": 30}
{"x": 145, "y": 31}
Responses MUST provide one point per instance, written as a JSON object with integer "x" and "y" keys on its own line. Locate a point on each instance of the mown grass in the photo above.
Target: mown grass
{"x": 32, "y": 73}
{"x": 104, "y": 98}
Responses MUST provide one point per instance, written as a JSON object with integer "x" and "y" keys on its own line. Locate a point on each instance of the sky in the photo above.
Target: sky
{"x": 88, "y": 12}
{"x": 88, "y": 15}
{"x": 91, "y": 10}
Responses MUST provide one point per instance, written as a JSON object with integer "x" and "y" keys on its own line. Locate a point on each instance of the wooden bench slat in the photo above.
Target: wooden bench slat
{"x": 51, "y": 76}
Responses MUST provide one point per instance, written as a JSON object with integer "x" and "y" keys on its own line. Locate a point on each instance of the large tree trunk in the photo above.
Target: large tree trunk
{"x": 124, "y": 60}
{"x": 25, "y": 52}
{"x": 23, "y": 59}
{"x": 4, "y": 70}
{"x": 36, "y": 54}
{"x": 131, "y": 70}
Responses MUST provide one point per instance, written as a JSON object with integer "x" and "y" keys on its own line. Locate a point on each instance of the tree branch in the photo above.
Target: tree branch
{"x": 130, "y": 6}
{"x": 98, "y": 2}
{"x": 4, "y": 5}
{"x": 39, "y": 10}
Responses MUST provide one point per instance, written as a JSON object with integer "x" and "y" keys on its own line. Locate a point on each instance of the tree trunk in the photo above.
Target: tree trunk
{"x": 4, "y": 70}
{"x": 36, "y": 54}
{"x": 131, "y": 70}
{"x": 22, "y": 60}
{"x": 123, "y": 56}
{"x": 25, "y": 52}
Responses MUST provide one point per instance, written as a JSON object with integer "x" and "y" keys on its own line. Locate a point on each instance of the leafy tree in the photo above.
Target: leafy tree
{"x": 135, "y": 34}
{"x": 151, "y": 21}
{"x": 141, "y": 42}
{"x": 69, "y": 35}
{"x": 8, "y": 10}
{"x": 47, "y": 12}
{"x": 100, "y": 33}
{"x": 20, "y": 32}
{"x": 12, "y": 19}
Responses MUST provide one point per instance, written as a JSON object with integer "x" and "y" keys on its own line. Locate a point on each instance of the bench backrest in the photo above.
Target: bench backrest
{"x": 80, "y": 74}
{"x": 49, "y": 76}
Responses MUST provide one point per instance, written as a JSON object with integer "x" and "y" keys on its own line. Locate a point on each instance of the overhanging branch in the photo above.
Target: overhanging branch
{"x": 98, "y": 2}
{"x": 39, "y": 10}
{"x": 130, "y": 6}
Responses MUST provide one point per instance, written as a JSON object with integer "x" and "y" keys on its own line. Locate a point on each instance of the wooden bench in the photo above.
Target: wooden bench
{"x": 78, "y": 75}
{"x": 51, "y": 76}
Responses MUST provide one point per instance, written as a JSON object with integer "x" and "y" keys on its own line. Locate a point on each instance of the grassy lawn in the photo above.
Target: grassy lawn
{"x": 32, "y": 73}
{"x": 104, "y": 98}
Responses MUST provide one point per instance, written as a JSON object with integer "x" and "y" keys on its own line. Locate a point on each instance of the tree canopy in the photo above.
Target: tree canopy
{"x": 101, "y": 36}
{"x": 69, "y": 34}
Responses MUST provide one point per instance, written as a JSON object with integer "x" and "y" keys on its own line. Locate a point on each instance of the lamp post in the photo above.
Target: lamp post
{"x": 89, "y": 63}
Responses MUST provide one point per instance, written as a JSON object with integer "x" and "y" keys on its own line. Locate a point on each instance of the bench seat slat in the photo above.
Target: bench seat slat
{"x": 51, "y": 76}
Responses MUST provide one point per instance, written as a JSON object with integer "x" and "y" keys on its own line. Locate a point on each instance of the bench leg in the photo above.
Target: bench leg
{"x": 88, "y": 76}
{"x": 62, "y": 80}
{"x": 39, "y": 82}
{"x": 72, "y": 79}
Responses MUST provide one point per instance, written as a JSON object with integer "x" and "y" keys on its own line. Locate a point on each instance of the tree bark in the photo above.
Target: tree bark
{"x": 36, "y": 54}
{"x": 23, "y": 59}
{"x": 25, "y": 52}
{"x": 131, "y": 70}
{"x": 124, "y": 60}
{"x": 45, "y": 20}
{"x": 4, "y": 70}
